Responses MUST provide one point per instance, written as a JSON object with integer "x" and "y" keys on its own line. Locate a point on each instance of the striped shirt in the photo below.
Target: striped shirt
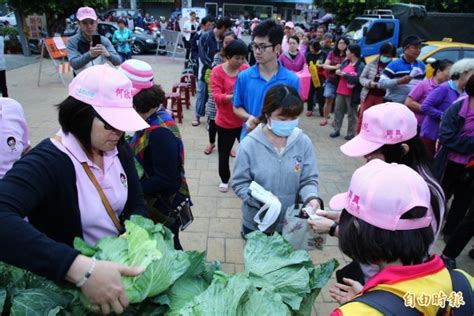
{"x": 396, "y": 70}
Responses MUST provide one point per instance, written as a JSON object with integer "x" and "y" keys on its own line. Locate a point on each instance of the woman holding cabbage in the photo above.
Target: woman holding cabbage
{"x": 80, "y": 183}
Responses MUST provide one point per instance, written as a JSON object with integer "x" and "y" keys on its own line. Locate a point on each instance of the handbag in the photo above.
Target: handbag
{"x": 161, "y": 210}
{"x": 297, "y": 231}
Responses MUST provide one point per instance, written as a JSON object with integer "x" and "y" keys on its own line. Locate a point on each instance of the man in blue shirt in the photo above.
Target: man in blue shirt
{"x": 402, "y": 74}
{"x": 253, "y": 83}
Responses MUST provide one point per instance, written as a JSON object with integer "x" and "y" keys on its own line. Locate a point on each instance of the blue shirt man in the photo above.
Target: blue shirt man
{"x": 253, "y": 83}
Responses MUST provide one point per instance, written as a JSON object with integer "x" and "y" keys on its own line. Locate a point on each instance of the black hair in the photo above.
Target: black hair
{"x": 316, "y": 45}
{"x": 322, "y": 27}
{"x": 207, "y": 19}
{"x": 121, "y": 21}
{"x": 355, "y": 49}
{"x": 76, "y": 117}
{"x": 224, "y": 22}
{"x": 469, "y": 88}
{"x": 236, "y": 48}
{"x": 147, "y": 99}
{"x": 192, "y": 13}
{"x": 271, "y": 29}
{"x": 296, "y": 38}
{"x": 387, "y": 49}
{"x": 281, "y": 97}
{"x": 440, "y": 65}
{"x": 336, "y": 50}
{"x": 369, "y": 244}
{"x": 419, "y": 160}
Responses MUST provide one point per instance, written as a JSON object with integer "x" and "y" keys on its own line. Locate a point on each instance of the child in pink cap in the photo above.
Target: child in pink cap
{"x": 386, "y": 222}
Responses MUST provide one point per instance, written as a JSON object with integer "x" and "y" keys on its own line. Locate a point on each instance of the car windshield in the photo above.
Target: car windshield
{"x": 427, "y": 49}
{"x": 355, "y": 30}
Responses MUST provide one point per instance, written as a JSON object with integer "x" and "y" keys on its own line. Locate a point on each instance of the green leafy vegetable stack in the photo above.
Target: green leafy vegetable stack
{"x": 276, "y": 280}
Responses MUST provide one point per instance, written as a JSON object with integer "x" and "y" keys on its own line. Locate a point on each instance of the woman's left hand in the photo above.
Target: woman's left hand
{"x": 343, "y": 293}
{"x": 314, "y": 204}
{"x": 321, "y": 225}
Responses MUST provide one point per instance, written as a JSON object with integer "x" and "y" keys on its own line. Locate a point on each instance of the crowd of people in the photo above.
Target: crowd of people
{"x": 416, "y": 133}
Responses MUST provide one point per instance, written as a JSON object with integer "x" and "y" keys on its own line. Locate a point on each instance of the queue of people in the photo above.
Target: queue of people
{"x": 104, "y": 178}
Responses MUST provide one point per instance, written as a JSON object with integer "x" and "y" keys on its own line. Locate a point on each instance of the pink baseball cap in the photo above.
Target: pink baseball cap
{"x": 109, "y": 92}
{"x": 380, "y": 193}
{"x": 139, "y": 72}
{"x": 86, "y": 13}
{"x": 290, "y": 24}
{"x": 386, "y": 123}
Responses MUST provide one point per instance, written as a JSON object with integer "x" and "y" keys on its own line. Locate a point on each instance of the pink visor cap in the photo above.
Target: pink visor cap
{"x": 139, "y": 72}
{"x": 290, "y": 25}
{"x": 110, "y": 94}
{"x": 86, "y": 13}
{"x": 380, "y": 193}
{"x": 386, "y": 123}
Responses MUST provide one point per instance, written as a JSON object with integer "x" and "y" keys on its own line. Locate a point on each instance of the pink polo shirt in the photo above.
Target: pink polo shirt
{"x": 96, "y": 223}
{"x": 13, "y": 133}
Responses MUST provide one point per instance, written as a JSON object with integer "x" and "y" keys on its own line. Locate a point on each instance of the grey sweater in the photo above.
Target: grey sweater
{"x": 282, "y": 174}
{"x": 79, "y": 57}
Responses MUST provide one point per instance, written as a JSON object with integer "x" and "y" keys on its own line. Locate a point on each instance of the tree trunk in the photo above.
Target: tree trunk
{"x": 21, "y": 33}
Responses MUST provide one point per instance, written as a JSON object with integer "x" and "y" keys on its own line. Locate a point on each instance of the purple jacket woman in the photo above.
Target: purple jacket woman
{"x": 294, "y": 64}
{"x": 438, "y": 101}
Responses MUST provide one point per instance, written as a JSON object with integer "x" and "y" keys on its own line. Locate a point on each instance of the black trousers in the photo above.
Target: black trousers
{"x": 457, "y": 182}
{"x": 3, "y": 83}
{"x": 212, "y": 131}
{"x": 316, "y": 94}
{"x": 225, "y": 142}
{"x": 462, "y": 235}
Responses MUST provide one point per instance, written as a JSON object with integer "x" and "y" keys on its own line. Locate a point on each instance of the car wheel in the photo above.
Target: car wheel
{"x": 137, "y": 48}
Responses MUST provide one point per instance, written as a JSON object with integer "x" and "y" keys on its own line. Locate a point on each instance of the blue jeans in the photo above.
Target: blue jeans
{"x": 201, "y": 98}
{"x": 125, "y": 56}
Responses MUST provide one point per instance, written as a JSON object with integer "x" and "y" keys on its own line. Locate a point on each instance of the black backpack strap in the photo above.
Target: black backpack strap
{"x": 461, "y": 284}
{"x": 386, "y": 303}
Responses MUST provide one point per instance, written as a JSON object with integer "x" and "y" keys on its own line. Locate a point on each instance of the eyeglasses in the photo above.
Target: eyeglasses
{"x": 107, "y": 126}
{"x": 260, "y": 47}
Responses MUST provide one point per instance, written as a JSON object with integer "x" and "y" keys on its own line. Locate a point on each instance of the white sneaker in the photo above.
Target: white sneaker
{"x": 223, "y": 187}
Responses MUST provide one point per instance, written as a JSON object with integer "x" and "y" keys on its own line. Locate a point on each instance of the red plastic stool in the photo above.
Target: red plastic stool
{"x": 191, "y": 81}
{"x": 175, "y": 105}
{"x": 183, "y": 90}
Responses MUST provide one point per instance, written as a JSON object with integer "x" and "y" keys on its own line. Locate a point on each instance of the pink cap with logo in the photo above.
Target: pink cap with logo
{"x": 380, "y": 193}
{"x": 290, "y": 24}
{"x": 110, "y": 94}
{"x": 386, "y": 123}
{"x": 86, "y": 13}
{"x": 139, "y": 72}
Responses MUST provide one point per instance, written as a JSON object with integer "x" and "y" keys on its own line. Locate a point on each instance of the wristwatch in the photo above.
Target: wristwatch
{"x": 332, "y": 230}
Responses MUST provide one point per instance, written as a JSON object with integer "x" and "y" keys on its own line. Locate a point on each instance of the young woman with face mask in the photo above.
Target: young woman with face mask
{"x": 371, "y": 94}
{"x": 278, "y": 156}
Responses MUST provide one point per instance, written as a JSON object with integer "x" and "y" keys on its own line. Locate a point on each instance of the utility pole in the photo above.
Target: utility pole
{"x": 119, "y": 4}
{"x": 133, "y": 4}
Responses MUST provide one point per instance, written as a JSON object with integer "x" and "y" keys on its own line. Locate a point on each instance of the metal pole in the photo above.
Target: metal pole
{"x": 133, "y": 4}
{"x": 119, "y": 4}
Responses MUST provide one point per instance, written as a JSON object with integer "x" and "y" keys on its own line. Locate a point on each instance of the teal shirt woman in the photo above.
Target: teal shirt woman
{"x": 123, "y": 38}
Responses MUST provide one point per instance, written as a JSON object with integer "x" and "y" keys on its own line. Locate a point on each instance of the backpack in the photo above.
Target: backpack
{"x": 390, "y": 304}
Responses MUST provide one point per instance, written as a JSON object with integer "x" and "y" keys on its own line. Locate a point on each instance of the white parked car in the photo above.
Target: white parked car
{"x": 10, "y": 18}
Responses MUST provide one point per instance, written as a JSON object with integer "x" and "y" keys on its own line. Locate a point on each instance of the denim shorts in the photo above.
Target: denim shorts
{"x": 329, "y": 90}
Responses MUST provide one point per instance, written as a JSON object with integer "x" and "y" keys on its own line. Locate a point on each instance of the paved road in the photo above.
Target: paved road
{"x": 217, "y": 215}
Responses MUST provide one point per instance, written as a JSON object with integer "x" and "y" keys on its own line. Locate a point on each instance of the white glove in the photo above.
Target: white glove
{"x": 271, "y": 207}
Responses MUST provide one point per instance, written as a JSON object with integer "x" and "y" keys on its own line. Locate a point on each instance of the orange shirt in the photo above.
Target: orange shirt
{"x": 423, "y": 286}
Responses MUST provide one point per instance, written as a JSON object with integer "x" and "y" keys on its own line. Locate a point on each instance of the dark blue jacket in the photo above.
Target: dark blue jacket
{"x": 451, "y": 125}
{"x": 42, "y": 187}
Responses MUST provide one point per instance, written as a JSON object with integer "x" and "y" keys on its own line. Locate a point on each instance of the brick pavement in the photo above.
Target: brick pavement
{"x": 217, "y": 215}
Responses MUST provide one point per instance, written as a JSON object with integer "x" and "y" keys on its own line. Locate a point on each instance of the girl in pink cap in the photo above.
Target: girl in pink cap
{"x": 386, "y": 222}
{"x": 80, "y": 183}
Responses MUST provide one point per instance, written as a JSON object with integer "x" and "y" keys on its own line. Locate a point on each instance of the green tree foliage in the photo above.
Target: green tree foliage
{"x": 56, "y": 11}
{"x": 346, "y": 10}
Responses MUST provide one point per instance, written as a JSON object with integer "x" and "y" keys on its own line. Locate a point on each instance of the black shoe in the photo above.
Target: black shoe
{"x": 450, "y": 263}
{"x": 334, "y": 134}
{"x": 349, "y": 137}
{"x": 471, "y": 253}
